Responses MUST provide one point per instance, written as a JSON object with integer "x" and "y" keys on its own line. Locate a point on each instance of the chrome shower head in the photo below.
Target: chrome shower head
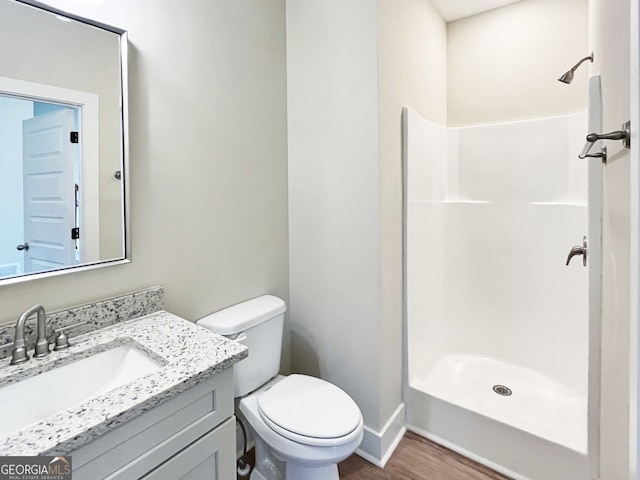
{"x": 567, "y": 77}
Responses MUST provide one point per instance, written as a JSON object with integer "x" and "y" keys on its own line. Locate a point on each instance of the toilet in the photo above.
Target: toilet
{"x": 302, "y": 425}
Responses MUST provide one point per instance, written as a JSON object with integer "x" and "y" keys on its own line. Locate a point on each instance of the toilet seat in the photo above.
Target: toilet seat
{"x": 311, "y": 411}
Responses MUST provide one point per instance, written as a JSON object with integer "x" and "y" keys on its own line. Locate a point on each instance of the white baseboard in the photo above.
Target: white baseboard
{"x": 377, "y": 447}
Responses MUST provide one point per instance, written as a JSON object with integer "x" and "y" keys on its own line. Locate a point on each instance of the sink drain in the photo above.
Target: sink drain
{"x": 502, "y": 390}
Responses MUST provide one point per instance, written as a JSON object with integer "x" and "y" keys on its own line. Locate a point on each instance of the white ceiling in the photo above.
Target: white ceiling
{"x": 452, "y": 10}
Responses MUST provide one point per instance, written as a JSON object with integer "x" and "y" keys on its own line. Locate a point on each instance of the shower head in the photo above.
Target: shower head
{"x": 567, "y": 77}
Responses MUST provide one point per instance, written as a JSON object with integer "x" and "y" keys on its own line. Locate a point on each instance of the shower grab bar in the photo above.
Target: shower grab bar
{"x": 592, "y": 138}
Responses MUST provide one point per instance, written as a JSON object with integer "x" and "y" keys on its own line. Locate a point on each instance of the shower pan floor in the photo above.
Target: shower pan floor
{"x": 517, "y": 396}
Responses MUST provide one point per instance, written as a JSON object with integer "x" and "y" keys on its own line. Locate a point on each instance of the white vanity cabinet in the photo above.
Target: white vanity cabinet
{"x": 189, "y": 436}
{"x": 203, "y": 458}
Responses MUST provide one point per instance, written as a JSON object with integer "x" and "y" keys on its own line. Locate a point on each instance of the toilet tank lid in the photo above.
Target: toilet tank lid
{"x": 240, "y": 317}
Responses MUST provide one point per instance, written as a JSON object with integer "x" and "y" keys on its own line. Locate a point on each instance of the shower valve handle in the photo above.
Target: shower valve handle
{"x": 617, "y": 135}
{"x": 592, "y": 138}
{"x": 624, "y": 135}
{"x": 579, "y": 251}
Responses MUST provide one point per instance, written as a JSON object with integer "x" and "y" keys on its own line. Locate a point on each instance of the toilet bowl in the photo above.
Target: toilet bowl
{"x": 308, "y": 452}
{"x": 302, "y": 425}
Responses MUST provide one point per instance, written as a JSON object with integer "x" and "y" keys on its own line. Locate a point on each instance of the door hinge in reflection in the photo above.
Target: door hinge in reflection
{"x": 74, "y": 137}
{"x": 75, "y": 233}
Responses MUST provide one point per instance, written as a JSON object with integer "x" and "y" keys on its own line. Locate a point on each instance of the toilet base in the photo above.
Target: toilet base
{"x": 326, "y": 472}
{"x": 256, "y": 475}
{"x": 270, "y": 466}
{"x": 301, "y": 472}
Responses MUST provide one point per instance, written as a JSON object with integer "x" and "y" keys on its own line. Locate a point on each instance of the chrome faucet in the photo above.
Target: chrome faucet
{"x": 19, "y": 352}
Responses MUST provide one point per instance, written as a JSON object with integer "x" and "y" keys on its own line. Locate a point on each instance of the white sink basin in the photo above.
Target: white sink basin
{"x": 36, "y": 398}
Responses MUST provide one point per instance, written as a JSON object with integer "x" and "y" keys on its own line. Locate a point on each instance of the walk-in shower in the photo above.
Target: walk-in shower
{"x": 497, "y": 323}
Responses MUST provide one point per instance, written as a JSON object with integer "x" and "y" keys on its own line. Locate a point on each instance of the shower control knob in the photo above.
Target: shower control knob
{"x": 579, "y": 251}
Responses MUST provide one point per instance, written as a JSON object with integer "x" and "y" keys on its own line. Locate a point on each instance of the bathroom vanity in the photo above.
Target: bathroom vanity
{"x": 169, "y": 417}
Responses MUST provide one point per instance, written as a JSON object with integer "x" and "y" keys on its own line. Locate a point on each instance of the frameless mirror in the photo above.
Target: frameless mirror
{"x": 62, "y": 142}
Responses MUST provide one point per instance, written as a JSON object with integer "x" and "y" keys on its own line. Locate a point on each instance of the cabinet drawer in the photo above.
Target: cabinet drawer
{"x": 212, "y": 457}
{"x": 136, "y": 447}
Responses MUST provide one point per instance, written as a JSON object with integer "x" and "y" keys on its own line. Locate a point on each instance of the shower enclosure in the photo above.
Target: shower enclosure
{"x": 497, "y": 323}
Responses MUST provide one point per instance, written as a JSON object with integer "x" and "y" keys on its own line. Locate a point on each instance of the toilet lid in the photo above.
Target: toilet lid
{"x": 309, "y": 407}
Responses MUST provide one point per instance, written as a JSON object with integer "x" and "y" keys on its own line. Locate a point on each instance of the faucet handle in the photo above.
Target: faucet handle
{"x": 62, "y": 340}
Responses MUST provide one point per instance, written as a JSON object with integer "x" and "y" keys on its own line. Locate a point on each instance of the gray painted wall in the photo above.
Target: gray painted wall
{"x": 208, "y": 159}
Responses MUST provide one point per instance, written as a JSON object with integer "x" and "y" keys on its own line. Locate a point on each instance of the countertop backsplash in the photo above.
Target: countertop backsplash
{"x": 97, "y": 315}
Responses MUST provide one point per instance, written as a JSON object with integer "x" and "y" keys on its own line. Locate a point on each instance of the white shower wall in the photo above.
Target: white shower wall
{"x": 492, "y": 212}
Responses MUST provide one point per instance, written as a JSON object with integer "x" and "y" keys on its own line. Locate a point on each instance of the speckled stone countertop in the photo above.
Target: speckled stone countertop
{"x": 88, "y": 317}
{"x": 188, "y": 353}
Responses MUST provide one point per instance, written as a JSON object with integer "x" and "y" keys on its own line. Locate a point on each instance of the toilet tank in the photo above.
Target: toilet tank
{"x": 258, "y": 324}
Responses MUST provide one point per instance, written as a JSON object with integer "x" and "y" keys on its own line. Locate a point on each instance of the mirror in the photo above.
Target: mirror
{"x": 62, "y": 142}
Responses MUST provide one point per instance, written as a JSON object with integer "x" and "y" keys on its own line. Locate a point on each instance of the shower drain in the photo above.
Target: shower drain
{"x": 502, "y": 390}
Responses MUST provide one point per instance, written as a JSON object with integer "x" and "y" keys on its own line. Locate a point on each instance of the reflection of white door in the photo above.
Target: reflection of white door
{"x": 49, "y": 191}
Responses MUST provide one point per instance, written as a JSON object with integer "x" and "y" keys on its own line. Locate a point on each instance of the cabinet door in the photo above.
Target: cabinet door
{"x": 211, "y": 457}
{"x": 138, "y": 446}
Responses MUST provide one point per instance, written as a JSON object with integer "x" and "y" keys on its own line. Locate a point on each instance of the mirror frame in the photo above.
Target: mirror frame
{"x": 124, "y": 155}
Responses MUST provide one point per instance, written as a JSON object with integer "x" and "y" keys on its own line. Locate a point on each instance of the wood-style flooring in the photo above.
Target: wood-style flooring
{"x": 417, "y": 458}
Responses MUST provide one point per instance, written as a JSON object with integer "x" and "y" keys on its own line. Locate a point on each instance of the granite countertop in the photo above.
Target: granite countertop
{"x": 187, "y": 352}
